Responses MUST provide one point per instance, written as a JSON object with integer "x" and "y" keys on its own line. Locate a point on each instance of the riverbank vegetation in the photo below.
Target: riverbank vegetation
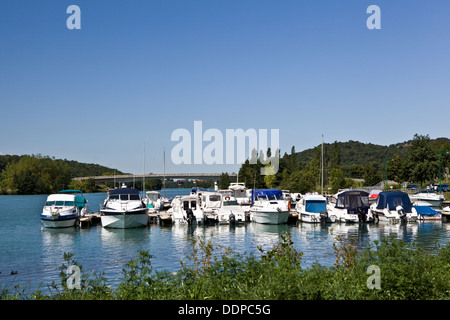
{"x": 352, "y": 164}
{"x": 405, "y": 272}
{"x": 38, "y": 174}
{"x": 346, "y": 164}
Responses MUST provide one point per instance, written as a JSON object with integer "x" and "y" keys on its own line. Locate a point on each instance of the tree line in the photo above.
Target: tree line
{"x": 38, "y": 174}
{"x": 416, "y": 161}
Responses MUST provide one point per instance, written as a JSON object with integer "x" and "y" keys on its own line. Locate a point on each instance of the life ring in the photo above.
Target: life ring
{"x": 289, "y": 205}
{"x": 227, "y": 198}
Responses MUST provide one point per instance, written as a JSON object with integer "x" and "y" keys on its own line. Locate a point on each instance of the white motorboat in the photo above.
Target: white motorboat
{"x": 186, "y": 210}
{"x": 153, "y": 201}
{"x": 313, "y": 208}
{"x": 427, "y": 198}
{"x": 269, "y": 207}
{"x": 351, "y": 206}
{"x": 394, "y": 206}
{"x": 230, "y": 212}
{"x": 240, "y": 192}
{"x": 124, "y": 208}
{"x": 62, "y": 210}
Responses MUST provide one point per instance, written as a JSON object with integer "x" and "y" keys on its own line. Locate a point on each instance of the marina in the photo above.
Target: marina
{"x": 32, "y": 253}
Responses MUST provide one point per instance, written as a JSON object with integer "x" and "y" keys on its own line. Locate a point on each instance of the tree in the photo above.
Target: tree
{"x": 35, "y": 175}
{"x": 371, "y": 176}
{"x": 337, "y": 180}
{"x": 225, "y": 181}
{"x": 423, "y": 161}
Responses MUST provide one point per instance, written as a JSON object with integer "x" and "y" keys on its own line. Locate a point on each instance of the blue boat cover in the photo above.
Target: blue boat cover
{"x": 266, "y": 192}
{"x": 392, "y": 199}
{"x": 124, "y": 191}
{"x": 425, "y": 210}
{"x": 275, "y": 193}
{"x": 315, "y": 206}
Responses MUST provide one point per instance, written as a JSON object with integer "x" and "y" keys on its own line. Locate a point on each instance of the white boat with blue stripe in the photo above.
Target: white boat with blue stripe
{"x": 63, "y": 209}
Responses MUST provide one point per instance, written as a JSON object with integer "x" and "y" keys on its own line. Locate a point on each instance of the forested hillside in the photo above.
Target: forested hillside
{"x": 37, "y": 174}
{"x": 418, "y": 160}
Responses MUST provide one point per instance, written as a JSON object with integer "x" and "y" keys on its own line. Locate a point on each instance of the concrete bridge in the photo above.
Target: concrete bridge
{"x": 169, "y": 176}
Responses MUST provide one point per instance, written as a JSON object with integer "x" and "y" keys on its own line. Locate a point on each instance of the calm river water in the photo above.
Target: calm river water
{"x": 29, "y": 252}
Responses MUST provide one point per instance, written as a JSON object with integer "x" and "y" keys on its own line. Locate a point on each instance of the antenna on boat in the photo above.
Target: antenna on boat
{"x": 164, "y": 172}
{"x": 322, "y": 168}
{"x": 143, "y": 176}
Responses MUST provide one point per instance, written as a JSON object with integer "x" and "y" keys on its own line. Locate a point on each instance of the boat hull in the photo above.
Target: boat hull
{"x": 59, "y": 222}
{"x": 270, "y": 217}
{"x": 124, "y": 220}
{"x": 309, "y": 217}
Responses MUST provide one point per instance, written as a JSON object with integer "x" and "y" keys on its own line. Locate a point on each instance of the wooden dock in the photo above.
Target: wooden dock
{"x": 89, "y": 219}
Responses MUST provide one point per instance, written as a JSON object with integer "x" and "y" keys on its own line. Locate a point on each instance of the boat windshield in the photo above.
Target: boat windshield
{"x": 60, "y": 203}
{"x": 123, "y": 197}
{"x": 271, "y": 197}
{"x": 352, "y": 200}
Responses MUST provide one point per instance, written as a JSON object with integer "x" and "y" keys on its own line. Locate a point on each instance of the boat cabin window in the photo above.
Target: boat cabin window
{"x": 193, "y": 205}
{"x": 214, "y": 197}
{"x": 60, "y": 203}
{"x": 134, "y": 197}
{"x": 271, "y": 197}
{"x": 185, "y": 205}
{"x": 124, "y": 197}
{"x": 113, "y": 197}
{"x": 230, "y": 203}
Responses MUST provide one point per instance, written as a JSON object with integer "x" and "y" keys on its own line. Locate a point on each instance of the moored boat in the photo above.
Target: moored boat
{"x": 124, "y": 208}
{"x": 240, "y": 192}
{"x": 312, "y": 208}
{"x": 427, "y": 198}
{"x": 427, "y": 213}
{"x": 63, "y": 209}
{"x": 269, "y": 207}
{"x": 394, "y": 206}
{"x": 186, "y": 210}
{"x": 351, "y": 206}
{"x": 153, "y": 201}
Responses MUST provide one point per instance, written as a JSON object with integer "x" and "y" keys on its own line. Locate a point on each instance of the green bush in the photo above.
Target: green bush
{"x": 407, "y": 272}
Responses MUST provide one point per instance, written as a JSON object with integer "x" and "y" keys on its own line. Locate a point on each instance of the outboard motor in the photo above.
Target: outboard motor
{"x": 190, "y": 216}
{"x": 401, "y": 212}
{"x": 323, "y": 216}
{"x": 232, "y": 218}
{"x": 362, "y": 214}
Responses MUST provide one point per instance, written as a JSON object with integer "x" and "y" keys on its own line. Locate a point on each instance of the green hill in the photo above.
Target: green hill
{"x": 363, "y": 154}
{"x": 37, "y": 174}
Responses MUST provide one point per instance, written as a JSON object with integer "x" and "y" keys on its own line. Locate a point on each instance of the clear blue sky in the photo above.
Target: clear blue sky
{"x": 137, "y": 70}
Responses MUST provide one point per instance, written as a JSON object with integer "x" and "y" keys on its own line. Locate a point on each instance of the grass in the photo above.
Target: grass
{"x": 406, "y": 271}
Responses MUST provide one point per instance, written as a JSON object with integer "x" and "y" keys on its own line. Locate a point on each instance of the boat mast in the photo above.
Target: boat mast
{"x": 164, "y": 172}
{"x": 143, "y": 176}
{"x": 322, "y": 167}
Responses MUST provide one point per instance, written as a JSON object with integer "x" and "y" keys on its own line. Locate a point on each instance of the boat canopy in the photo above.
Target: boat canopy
{"x": 124, "y": 191}
{"x": 70, "y": 191}
{"x": 315, "y": 206}
{"x": 352, "y": 199}
{"x": 392, "y": 199}
{"x": 272, "y": 194}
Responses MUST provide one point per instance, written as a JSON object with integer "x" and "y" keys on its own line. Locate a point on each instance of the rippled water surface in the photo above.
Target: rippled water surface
{"x": 33, "y": 253}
